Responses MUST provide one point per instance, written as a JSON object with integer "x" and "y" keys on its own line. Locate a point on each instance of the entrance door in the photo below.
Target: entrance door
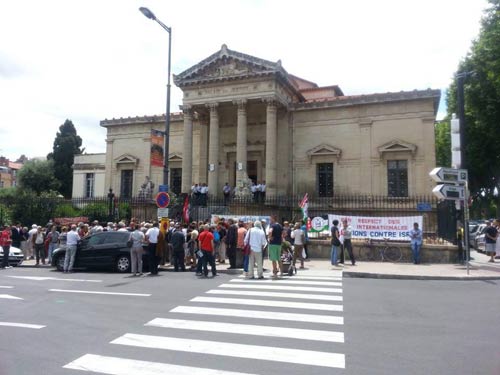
{"x": 127, "y": 179}
{"x": 252, "y": 170}
{"x": 176, "y": 180}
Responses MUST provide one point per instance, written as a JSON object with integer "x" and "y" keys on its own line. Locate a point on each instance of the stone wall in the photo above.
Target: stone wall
{"x": 430, "y": 253}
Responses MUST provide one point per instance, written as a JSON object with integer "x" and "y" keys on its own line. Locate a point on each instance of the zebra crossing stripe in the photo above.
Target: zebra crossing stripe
{"x": 121, "y": 366}
{"x": 256, "y": 314}
{"x": 273, "y": 294}
{"x": 247, "y": 329}
{"x": 302, "y": 277}
{"x": 259, "y": 302}
{"x": 6, "y": 287}
{"x": 281, "y": 287}
{"x": 287, "y": 281}
{"x": 267, "y": 353}
{"x": 310, "y": 273}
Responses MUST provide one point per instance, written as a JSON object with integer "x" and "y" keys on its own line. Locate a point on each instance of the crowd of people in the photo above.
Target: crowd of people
{"x": 195, "y": 246}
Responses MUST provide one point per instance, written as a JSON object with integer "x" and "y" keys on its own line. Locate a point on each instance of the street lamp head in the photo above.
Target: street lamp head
{"x": 147, "y": 13}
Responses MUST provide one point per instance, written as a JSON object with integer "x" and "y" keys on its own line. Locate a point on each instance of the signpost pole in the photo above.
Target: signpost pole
{"x": 466, "y": 227}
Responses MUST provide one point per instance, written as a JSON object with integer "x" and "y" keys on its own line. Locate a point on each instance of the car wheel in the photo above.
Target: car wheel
{"x": 60, "y": 263}
{"x": 123, "y": 264}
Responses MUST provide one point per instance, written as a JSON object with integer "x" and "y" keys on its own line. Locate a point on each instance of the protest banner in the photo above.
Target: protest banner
{"x": 246, "y": 218}
{"x": 393, "y": 228}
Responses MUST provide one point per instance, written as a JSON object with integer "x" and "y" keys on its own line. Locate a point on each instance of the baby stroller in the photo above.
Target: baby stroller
{"x": 287, "y": 261}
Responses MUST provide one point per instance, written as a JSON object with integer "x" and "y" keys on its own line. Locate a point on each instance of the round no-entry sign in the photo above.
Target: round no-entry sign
{"x": 162, "y": 199}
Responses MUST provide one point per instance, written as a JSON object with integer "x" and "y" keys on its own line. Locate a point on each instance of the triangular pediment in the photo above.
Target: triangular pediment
{"x": 175, "y": 156}
{"x": 226, "y": 64}
{"x": 126, "y": 159}
{"x": 397, "y": 145}
{"x": 324, "y": 150}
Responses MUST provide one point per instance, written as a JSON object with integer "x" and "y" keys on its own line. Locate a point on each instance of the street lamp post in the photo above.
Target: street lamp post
{"x": 166, "y": 151}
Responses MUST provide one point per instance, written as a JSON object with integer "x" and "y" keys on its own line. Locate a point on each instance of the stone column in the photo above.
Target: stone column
{"x": 241, "y": 142}
{"x": 187, "y": 151}
{"x": 213, "y": 151}
{"x": 271, "y": 148}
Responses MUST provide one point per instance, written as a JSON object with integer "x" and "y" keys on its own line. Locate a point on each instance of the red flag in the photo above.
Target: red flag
{"x": 185, "y": 210}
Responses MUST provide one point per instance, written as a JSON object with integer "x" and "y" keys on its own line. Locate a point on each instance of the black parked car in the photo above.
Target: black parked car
{"x": 100, "y": 250}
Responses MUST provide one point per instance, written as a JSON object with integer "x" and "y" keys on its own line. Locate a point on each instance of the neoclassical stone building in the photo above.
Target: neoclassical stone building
{"x": 245, "y": 117}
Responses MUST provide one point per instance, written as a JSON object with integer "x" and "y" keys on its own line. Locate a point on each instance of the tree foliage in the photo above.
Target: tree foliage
{"x": 38, "y": 176}
{"x": 482, "y": 104}
{"x": 66, "y": 145}
{"x": 443, "y": 143}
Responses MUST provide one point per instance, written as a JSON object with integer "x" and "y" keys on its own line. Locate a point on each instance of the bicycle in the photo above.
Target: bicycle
{"x": 386, "y": 252}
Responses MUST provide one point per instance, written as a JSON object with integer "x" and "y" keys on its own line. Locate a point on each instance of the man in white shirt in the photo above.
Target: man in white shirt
{"x": 204, "y": 194}
{"x": 263, "y": 190}
{"x": 152, "y": 239}
{"x": 226, "y": 190}
{"x": 71, "y": 244}
{"x": 33, "y": 231}
{"x": 253, "y": 189}
{"x": 256, "y": 238}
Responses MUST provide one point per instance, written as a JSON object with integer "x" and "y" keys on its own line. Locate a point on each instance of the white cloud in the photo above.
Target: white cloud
{"x": 90, "y": 60}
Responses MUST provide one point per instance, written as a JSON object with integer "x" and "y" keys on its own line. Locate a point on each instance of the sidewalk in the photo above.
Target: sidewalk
{"x": 479, "y": 269}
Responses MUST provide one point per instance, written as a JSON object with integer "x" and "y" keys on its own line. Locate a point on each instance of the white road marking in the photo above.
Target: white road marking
{"x": 332, "y": 273}
{"x": 287, "y": 281}
{"x": 267, "y": 353}
{"x": 93, "y": 292}
{"x": 273, "y": 294}
{"x": 281, "y": 286}
{"x": 256, "y": 314}
{"x": 6, "y": 287}
{"x": 246, "y": 329}
{"x": 8, "y": 296}
{"x": 259, "y": 302}
{"x": 40, "y": 278}
{"x": 21, "y": 325}
{"x": 121, "y": 366}
{"x": 286, "y": 277}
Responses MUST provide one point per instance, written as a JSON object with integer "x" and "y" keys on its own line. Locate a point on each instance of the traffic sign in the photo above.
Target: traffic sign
{"x": 449, "y": 192}
{"x": 449, "y": 175}
{"x": 162, "y": 212}
{"x": 162, "y": 199}
{"x": 163, "y": 188}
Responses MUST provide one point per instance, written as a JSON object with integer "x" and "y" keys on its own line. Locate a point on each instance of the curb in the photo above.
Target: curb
{"x": 368, "y": 275}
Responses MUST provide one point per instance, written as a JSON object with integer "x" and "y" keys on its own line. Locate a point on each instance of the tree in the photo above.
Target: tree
{"x": 22, "y": 159}
{"x": 38, "y": 176}
{"x": 482, "y": 105}
{"x": 66, "y": 145}
{"x": 443, "y": 143}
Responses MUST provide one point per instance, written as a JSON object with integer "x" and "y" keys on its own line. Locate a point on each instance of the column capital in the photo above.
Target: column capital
{"x": 271, "y": 102}
{"x": 212, "y": 106}
{"x": 186, "y": 110}
{"x": 241, "y": 103}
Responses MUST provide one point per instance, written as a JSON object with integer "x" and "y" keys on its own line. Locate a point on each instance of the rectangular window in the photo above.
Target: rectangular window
{"x": 397, "y": 178}
{"x": 324, "y": 179}
{"x": 127, "y": 179}
{"x": 176, "y": 180}
{"x": 89, "y": 185}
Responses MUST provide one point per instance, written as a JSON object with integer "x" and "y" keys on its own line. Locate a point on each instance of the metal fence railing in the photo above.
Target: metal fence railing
{"x": 438, "y": 218}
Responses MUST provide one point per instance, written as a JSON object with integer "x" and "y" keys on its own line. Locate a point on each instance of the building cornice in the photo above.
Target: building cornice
{"x": 378, "y": 98}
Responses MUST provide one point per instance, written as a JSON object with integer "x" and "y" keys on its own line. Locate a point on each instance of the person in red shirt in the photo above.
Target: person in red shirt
{"x": 5, "y": 242}
{"x": 206, "y": 240}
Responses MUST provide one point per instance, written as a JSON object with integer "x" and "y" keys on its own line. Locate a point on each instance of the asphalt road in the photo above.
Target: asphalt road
{"x": 115, "y": 324}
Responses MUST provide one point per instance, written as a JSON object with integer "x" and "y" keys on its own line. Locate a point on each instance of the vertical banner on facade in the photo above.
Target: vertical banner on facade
{"x": 391, "y": 228}
{"x": 157, "y": 142}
